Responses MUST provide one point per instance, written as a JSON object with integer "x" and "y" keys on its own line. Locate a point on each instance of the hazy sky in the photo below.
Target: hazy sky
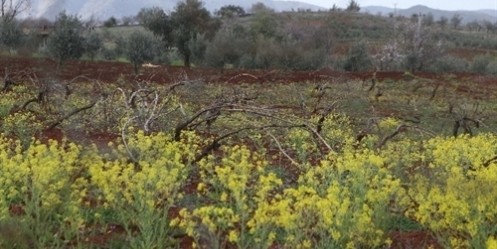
{"x": 437, "y": 4}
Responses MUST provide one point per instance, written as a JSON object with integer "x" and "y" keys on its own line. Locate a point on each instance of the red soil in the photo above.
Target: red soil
{"x": 23, "y": 68}
{"x": 413, "y": 240}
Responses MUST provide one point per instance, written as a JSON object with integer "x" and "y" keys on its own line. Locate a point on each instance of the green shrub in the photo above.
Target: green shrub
{"x": 492, "y": 68}
{"x": 93, "y": 45}
{"x": 228, "y": 46}
{"x": 109, "y": 54}
{"x": 449, "y": 64}
{"x": 139, "y": 48}
{"x": 481, "y": 64}
{"x": 358, "y": 59}
{"x": 11, "y": 34}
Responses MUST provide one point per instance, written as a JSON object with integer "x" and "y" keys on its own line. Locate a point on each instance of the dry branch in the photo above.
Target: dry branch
{"x": 242, "y": 75}
{"x": 7, "y": 81}
{"x": 216, "y": 143}
{"x": 489, "y": 161}
{"x": 40, "y": 98}
{"x": 123, "y": 136}
{"x": 184, "y": 125}
{"x": 69, "y": 115}
{"x": 282, "y": 150}
{"x": 465, "y": 124}
{"x": 316, "y": 134}
{"x": 434, "y": 92}
{"x": 401, "y": 129}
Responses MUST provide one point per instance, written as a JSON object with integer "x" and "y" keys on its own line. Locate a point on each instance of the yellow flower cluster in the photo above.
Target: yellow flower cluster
{"x": 54, "y": 184}
{"x": 388, "y": 123}
{"x": 298, "y": 140}
{"x": 337, "y": 130}
{"x": 342, "y": 201}
{"x": 491, "y": 243}
{"x": 47, "y": 178}
{"x": 350, "y": 198}
{"x": 338, "y": 201}
{"x": 234, "y": 187}
{"x": 22, "y": 125}
{"x": 9, "y": 99}
{"x": 455, "y": 192}
{"x": 152, "y": 180}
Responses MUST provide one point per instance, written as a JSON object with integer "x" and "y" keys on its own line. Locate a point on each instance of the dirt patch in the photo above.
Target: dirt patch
{"x": 51, "y": 134}
{"x": 105, "y": 71}
{"x": 413, "y": 240}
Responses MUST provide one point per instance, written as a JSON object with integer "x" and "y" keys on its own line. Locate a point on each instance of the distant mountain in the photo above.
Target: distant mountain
{"x": 377, "y": 9}
{"x": 468, "y": 16}
{"x": 294, "y": 5}
{"x": 103, "y": 9}
{"x": 490, "y": 13}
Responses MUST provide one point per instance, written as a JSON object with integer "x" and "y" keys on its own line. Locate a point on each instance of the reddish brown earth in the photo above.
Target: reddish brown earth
{"x": 104, "y": 71}
{"x": 413, "y": 240}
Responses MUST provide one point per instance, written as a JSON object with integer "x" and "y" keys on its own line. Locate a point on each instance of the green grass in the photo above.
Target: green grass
{"x": 121, "y": 30}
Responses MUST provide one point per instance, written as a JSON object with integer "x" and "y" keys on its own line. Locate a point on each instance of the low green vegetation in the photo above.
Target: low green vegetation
{"x": 263, "y": 39}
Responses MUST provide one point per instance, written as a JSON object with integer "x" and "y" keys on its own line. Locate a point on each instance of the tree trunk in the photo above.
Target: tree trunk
{"x": 136, "y": 66}
{"x": 186, "y": 60}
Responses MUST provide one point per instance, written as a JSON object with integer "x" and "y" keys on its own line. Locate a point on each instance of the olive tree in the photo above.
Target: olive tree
{"x": 229, "y": 45}
{"x": 443, "y": 21}
{"x": 264, "y": 22}
{"x": 188, "y": 20}
{"x": 158, "y": 22}
{"x": 111, "y": 22}
{"x": 230, "y": 11}
{"x": 93, "y": 45}
{"x": 139, "y": 48}
{"x": 66, "y": 42}
{"x": 353, "y": 6}
{"x": 10, "y": 33}
{"x": 358, "y": 58}
{"x": 456, "y": 21}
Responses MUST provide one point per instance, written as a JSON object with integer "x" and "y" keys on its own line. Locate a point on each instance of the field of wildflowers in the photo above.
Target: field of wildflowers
{"x": 272, "y": 186}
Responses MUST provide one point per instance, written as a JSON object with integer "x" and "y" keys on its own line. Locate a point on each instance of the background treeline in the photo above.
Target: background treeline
{"x": 260, "y": 38}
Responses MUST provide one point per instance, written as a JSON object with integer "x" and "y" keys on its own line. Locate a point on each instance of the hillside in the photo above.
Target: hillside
{"x": 468, "y": 16}
{"x": 303, "y": 40}
{"x": 103, "y": 9}
{"x": 489, "y": 12}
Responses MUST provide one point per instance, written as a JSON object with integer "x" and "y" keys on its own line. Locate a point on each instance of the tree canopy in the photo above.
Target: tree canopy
{"x": 10, "y": 33}
{"x": 157, "y": 21}
{"x": 353, "y": 6}
{"x": 138, "y": 49}
{"x": 189, "y": 19}
{"x": 230, "y": 11}
{"x": 66, "y": 41}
